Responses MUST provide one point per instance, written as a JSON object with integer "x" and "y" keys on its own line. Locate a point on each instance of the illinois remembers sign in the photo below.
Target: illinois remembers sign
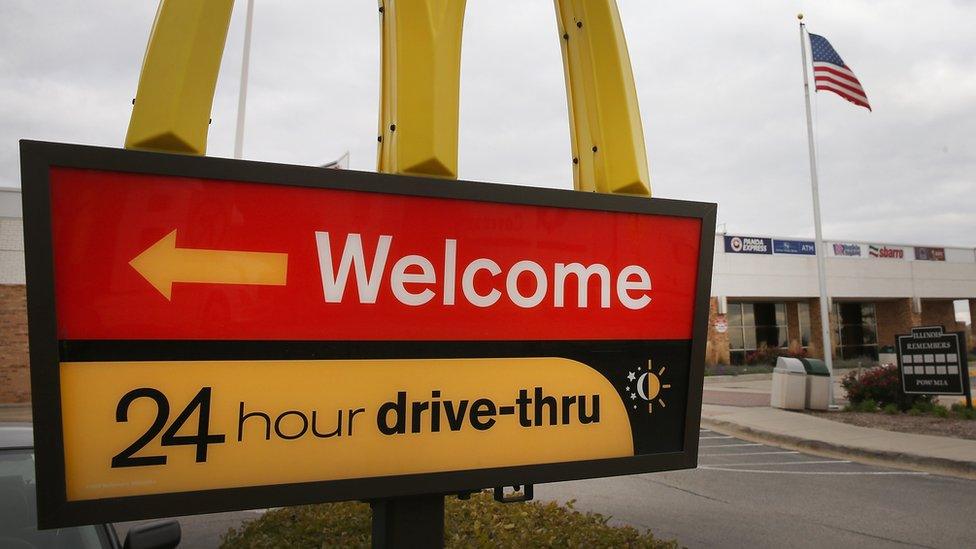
{"x": 933, "y": 362}
{"x": 210, "y": 334}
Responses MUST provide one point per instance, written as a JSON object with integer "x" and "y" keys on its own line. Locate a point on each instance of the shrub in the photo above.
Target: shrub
{"x": 478, "y": 522}
{"x": 940, "y": 411}
{"x": 882, "y": 385}
{"x": 964, "y": 413}
{"x": 924, "y": 407}
{"x": 866, "y": 405}
{"x": 891, "y": 409}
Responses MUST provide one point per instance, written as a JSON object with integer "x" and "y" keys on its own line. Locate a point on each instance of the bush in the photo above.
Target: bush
{"x": 866, "y": 405}
{"x": 964, "y": 413}
{"x": 924, "y": 407}
{"x": 940, "y": 411}
{"x": 882, "y": 385}
{"x": 891, "y": 409}
{"x": 478, "y": 522}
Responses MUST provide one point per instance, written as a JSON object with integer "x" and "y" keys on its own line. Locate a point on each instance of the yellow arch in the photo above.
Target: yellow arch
{"x": 605, "y": 125}
{"x": 179, "y": 73}
{"x": 420, "y": 82}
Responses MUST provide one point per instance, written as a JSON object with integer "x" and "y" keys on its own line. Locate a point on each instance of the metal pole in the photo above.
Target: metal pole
{"x": 242, "y": 91}
{"x": 408, "y": 522}
{"x": 821, "y": 250}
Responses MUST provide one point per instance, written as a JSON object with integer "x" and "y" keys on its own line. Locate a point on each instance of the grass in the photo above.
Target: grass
{"x": 477, "y": 522}
{"x": 956, "y": 411}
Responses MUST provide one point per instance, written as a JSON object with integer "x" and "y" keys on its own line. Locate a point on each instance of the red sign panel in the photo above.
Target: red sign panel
{"x": 165, "y": 257}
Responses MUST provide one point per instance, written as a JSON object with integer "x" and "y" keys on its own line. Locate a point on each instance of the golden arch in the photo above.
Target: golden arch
{"x": 420, "y": 81}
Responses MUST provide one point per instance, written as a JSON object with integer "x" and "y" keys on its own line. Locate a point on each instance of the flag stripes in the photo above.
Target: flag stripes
{"x": 830, "y": 73}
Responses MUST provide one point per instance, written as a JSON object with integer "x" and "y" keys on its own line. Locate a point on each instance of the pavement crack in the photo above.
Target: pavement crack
{"x": 865, "y": 534}
{"x": 685, "y": 490}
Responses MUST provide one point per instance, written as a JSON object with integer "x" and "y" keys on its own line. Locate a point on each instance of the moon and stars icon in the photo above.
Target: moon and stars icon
{"x": 648, "y": 386}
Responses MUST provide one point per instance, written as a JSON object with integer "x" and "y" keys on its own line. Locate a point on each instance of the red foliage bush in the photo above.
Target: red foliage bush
{"x": 881, "y": 384}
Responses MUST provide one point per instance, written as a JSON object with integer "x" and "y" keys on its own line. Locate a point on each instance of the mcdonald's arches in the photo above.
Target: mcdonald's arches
{"x": 420, "y": 79}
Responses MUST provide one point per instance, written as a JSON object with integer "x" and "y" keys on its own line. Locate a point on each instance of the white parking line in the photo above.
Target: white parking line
{"x": 777, "y": 463}
{"x": 722, "y": 436}
{"x": 733, "y": 445}
{"x": 752, "y": 453}
{"x": 907, "y": 473}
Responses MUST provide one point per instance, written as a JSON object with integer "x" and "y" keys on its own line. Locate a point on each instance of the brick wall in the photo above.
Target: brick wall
{"x": 14, "y": 371}
{"x": 816, "y": 331}
{"x": 942, "y": 313}
{"x": 795, "y": 344}
{"x": 895, "y": 317}
{"x": 717, "y": 347}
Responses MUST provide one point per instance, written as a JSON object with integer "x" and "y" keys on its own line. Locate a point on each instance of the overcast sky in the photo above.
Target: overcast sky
{"x": 719, "y": 83}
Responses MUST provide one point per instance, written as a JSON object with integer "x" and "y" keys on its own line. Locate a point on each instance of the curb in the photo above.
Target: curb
{"x": 928, "y": 464}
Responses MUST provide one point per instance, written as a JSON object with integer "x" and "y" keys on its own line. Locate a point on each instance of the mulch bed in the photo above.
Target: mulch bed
{"x": 922, "y": 425}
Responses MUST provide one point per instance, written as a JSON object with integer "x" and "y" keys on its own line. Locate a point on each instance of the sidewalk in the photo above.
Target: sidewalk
{"x": 741, "y": 408}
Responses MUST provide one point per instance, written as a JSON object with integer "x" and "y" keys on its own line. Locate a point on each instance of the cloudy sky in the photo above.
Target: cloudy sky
{"x": 719, "y": 83}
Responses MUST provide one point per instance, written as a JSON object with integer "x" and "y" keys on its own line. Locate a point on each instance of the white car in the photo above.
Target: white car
{"x": 18, "y": 508}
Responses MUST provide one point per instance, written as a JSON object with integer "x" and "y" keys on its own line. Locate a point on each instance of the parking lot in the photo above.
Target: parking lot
{"x": 746, "y": 494}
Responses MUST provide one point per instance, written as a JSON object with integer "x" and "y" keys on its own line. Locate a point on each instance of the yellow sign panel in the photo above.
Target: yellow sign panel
{"x": 138, "y": 428}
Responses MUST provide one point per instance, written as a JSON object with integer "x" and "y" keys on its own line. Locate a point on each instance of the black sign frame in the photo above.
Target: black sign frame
{"x": 957, "y": 339}
{"x": 46, "y": 350}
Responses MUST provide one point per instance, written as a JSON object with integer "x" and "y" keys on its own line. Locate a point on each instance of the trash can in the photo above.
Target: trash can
{"x": 789, "y": 384}
{"x": 818, "y": 384}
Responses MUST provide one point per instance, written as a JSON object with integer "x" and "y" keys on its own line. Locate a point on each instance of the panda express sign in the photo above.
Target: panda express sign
{"x": 210, "y": 334}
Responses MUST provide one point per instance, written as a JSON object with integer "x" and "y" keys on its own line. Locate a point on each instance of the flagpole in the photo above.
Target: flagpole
{"x": 821, "y": 250}
{"x": 242, "y": 91}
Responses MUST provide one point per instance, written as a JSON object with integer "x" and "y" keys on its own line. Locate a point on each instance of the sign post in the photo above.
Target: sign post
{"x": 212, "y": 334}
{"x": 934, "y": 362}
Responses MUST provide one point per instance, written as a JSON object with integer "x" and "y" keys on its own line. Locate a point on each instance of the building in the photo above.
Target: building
{"x": 764, "y": 297}
{"x": 765, "y": 294}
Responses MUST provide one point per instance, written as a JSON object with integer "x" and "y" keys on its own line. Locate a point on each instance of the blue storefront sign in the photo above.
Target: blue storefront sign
{"x": 748, "y": 245}
{"x": 794, "y": 247}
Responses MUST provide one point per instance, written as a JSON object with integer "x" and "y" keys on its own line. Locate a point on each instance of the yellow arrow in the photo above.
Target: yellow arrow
{"x": 163, "y": 263}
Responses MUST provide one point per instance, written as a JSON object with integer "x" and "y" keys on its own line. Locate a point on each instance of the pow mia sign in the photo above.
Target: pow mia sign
{"x": 932, "y": 362}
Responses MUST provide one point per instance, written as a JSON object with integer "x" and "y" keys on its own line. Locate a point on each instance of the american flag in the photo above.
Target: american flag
{"x": 831, "y": 74}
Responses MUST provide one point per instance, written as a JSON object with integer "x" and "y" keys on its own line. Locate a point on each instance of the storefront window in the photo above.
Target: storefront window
{"x": 858, "y": 330}
{"x": 755, "y": 326}
{"x": 803, "y": 312}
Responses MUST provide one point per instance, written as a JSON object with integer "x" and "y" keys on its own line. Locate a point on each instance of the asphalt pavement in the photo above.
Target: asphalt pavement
{"x": 747, "y": 494}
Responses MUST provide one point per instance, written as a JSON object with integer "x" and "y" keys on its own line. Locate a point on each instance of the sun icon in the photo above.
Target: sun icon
{"x": 649, "y": 387}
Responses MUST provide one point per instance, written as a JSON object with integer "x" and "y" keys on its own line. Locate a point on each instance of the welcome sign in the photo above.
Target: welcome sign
{"x": 210, "y": 334}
